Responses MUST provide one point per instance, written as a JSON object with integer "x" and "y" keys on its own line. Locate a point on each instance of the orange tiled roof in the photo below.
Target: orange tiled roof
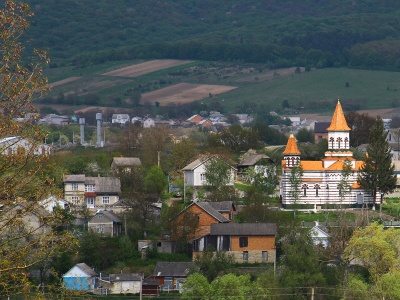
{"x": 291, "y": 147}
{"x": 356, "y": 185}
{"x": 310, "y": 165}
{"x": 338, "y": 120}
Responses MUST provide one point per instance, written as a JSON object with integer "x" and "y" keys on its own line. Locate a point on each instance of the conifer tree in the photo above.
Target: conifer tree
{"x": 377, "y": 172}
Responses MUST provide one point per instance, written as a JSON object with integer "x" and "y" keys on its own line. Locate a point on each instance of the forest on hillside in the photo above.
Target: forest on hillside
{"x": 315, "y": 33}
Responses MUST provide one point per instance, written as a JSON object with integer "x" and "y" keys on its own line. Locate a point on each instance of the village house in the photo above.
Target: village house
{"x": 320, "y": 235}
{"x": 320, "y": 131}
{"x": 171, "y": 274}
{"x": 13, "y": 145}
{"x": 91, "y": 192}
{"x": 148, "y": 123}
{"x": 195, "y": 119}
{"x": 195, "y": 220}
{"x": 125, "y": 283}
{"x": 121, "y": 165}
{"x": 54, "y": 119}
{"x": 80, "y": 278}
{"x": 194, "y": 173}
{"x": 120, "y": 119}
{"x": 106, "y": 223}
{"x": 320, "y": 179}
{"x": 257, "y": 162}
{"x": 246, "y": 242}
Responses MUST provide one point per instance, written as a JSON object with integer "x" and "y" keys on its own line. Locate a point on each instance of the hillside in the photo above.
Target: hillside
{"x": 358, "y": 33}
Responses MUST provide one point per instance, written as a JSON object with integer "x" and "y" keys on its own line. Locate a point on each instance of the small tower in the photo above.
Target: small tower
{"x": 291, "y": 155}
{"x": 99, "y": 119}
{"x": 82, "y": 128}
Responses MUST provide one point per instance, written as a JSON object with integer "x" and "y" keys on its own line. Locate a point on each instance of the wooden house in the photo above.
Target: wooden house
{"x": 247, "y": 242}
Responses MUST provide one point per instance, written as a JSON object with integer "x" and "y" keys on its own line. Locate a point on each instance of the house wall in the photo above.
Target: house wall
{"x": 79, "y": 283}
{"x": 204, "y": 220}
{"x": 124, "y": 287}
{"x": 254, "y": 243}
{"x": 254, "y": 256}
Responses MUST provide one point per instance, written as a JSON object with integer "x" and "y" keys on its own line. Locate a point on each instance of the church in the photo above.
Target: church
{"x": 320, "y": 179}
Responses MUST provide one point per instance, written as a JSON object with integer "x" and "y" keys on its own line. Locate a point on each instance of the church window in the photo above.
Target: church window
{"x": 346, "y": 141}
{"x": 304, "y": 187}
{"x": 331, "y": 140}
{"x": 339, "y": 140}
{"x": 317, "y": 187}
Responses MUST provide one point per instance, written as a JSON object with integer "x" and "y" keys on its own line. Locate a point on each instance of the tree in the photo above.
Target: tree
{"x": 376, "y": 248}
{"x": 360, "y": 125}
{"x": 304, "y": 135}
{"x": 213, "y": 264}
{"x": 225, "y": 287}
{"x": 217, "y": 173}
{"x": 23, "y": 247}
{"x": 377, "y": 172}
{"x": 300, "y": 264}
{"x": 344, "y": 186}
{"x": 236, "y": 139}
{"x": 155, "y": 181}
{"x": 296, "y": 173}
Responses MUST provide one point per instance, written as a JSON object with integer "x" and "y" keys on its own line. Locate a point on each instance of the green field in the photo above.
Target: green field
{"x": 370, "y": 89}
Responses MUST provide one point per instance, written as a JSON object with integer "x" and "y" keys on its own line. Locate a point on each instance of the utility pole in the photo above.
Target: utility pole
{"x": 158, "y": 158}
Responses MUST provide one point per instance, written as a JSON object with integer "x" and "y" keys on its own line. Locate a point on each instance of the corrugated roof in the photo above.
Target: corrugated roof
{"x": 291, "y": 146}
{"x": 127, "y": 161}
{"x": 207, "y": 207}
{"x": 125, "y": 277}
{"x": 74, "y": 178}
{"x": 243, "y": 229}
{"x": 88, "y": 270}
{"x": 222, "y": 205}
{"x": 251, "y": 160}
{"x": 174, "y": 269}
{"x": 338, "y": 120}
{"x": 320, "y": 127}
{"x": 109, "y": 215}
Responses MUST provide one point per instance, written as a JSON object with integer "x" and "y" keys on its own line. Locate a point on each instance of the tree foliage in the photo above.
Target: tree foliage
{"x": 377, "y": 173}
{"x": 360, "y": 124}
{"x": 225, "y": 287}
{"x": 24, "y": 244}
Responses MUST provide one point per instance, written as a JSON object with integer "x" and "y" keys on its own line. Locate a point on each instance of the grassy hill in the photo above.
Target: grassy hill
{"x": 255, "y": 85}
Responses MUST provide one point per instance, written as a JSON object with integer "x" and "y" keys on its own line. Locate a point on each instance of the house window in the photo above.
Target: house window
{"x": 89, "y": 188}
{"x": 245, "y": 255}
{"x": 100, "y": 216}
{"x": 74, "y": 186}
{"x": 106, "y": 200}
{"x": 203, "y": 177}
{"x": 74, "y": 200}
{"x": 243, "y": 241}
{"x": 264, "y": 256}
{"x": 90, "y": 202}
{"x": 100, "y": 228}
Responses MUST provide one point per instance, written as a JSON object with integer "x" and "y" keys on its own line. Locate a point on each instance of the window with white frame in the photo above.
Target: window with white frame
{"x": 74, "y": 186}
{"x": 74, "y": 200}
{"x": 106, "y": 200}
{"x": 89, "y": 188}
{"x": 90, "y": 202}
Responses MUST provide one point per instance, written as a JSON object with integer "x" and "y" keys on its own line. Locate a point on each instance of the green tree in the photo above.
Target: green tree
{"x": 344, "y": 185}
{"x": 296, "y": 173}
{"x": 304, "y": 135}
{"x": 300, "y": 264}
{"x": 217, "y": 173}
{"x": 360, "y": 125}
{"x": 375, "y": 248}
{"x": 155, "y": 181}
{"x": 377, "y": 173}
{"x": 213, "y": 264}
